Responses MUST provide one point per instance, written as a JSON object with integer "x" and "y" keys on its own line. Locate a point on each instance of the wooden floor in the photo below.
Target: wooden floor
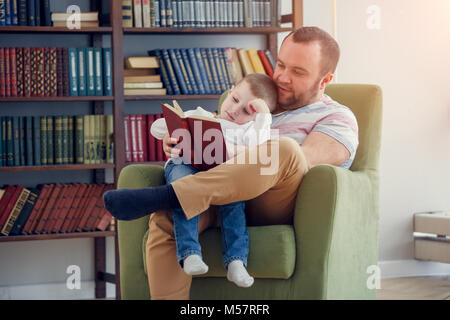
{"x": 420, "y": 288}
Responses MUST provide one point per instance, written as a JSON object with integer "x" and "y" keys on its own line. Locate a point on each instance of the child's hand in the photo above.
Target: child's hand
{"x": 258, "y": 106}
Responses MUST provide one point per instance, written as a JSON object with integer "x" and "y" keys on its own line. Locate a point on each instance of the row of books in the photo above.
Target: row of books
{"x": 53, "y": 208}
{"x": 140, "y": 145}
{"x": 201, "y": 13}
{"x": 55, "y": 140}
{"x": 209, "y": 70}
{"x": 25, "y": 13}
{"x": 51, "y": 72}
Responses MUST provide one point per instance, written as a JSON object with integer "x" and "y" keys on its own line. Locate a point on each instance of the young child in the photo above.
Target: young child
{"x": 245, "y": 120}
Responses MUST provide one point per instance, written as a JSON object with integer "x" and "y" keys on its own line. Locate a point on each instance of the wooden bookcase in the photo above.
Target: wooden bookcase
{"x": 118, "y": 100}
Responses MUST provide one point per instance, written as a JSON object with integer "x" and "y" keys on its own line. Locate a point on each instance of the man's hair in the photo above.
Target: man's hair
{"x": 329, "y": 48}
{"x": 262, "y": 86}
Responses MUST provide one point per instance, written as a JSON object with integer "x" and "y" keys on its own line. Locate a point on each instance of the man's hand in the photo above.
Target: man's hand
{"x": 168, "y": 148}
{"x": 258, "y": 106}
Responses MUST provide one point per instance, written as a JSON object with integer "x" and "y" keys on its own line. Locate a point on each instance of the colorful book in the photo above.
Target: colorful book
{"x": 17, "y": 208}
{"x": 200, "y": 155}
{"x": 256, "y": 61}
{"x": 245, "y": 62}
{"x": 266, "y": 63}
{"x": 26, "y": 211}
{"x": 202, "y": 68}
{"x": 127, "y": 13}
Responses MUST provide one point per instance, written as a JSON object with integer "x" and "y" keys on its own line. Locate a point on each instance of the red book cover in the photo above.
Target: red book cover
{"x": 37, "y": 209}
{"x": 34, "y": 71}
{"x": 53, "y": 72}
{"x": 98, "y": 206}
{"x": 4, "y": 203}
{"x": 59, "y": 72}
{"x": 48, "y": 210}
{"x": 26, "y": 72}
{"x": 2, "y": 72}
{"x": 133, "y": 134}
{"x": 57, "y": 208}
{"x": 7, "y": 73}
{"x": 19, "y": 59}
{"x": 90, "y": 206}
{"x": 151, "y": 140}
{"x": 12, "y": 201}
{"x": 159, "y": 145}
{"x": 126, "y": 123}
{"x": 141, "y": 128}
{"x": 46, "y": 79}
{"x": 41, "y": 71}
{"x": 266, "y": 63}
{"x": 81, "y": 208}
{"x": 13, "y": 71}
{"x": 104, "y": 221}
{"x": 74, "y": 207}
{"x": 73, "y": 189}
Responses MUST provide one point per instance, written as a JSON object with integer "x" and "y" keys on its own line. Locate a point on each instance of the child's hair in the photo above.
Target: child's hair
{"x": 262, "y": 86}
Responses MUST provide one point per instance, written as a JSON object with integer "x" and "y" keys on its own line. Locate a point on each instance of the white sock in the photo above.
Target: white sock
{"x": 239, "y": 275}
{"x": 194, "y": 265}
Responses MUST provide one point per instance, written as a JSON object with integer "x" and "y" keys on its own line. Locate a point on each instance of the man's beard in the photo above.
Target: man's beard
{"x": 305, "y": 98}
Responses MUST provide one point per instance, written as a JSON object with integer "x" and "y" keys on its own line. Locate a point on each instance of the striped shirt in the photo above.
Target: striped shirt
{"x": 326, "y": 116}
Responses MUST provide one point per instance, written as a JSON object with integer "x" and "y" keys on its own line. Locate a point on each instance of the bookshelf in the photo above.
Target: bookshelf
{"x": 118, "y": 102}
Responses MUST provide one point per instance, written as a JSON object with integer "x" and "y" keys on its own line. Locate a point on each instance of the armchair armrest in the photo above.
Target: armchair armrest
{"x": 336, "y": 227}
{"x": 133, "y": 280}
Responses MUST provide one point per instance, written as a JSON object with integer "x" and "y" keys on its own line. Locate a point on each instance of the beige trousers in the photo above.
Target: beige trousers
{"x": 270, "y": 199}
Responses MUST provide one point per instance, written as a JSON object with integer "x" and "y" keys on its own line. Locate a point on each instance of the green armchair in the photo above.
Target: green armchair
{"x": 323, "y": 255}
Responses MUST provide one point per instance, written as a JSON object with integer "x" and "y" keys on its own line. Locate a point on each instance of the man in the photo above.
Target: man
{"x": 314, "y": 130}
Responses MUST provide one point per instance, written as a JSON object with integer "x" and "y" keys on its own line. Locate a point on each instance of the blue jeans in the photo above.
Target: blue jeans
{"x": 232, "y": 223}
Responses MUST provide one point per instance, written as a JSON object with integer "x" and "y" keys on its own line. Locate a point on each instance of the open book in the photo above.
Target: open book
{"x": 200, "y": 138}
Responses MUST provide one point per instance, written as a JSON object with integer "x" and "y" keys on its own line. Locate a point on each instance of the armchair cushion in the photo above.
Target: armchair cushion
{"x": 271, "y": 255}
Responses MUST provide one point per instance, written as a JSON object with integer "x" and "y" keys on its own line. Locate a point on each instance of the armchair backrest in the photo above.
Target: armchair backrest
{"x": 365, "y": 101}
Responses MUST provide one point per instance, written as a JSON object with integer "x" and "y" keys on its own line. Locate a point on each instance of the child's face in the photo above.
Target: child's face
{"x": 235, "y": 107}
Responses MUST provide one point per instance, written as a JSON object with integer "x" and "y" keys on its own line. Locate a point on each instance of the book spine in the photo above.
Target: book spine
{"x": 79, "y": 139}
{"x": 197, "y": 55}
{"x": 245, "y": 62}
{"x": 180, "y": 72}
{"x": 47, "y": 211}
{"x": 10, "y": 142}
{"x": 157, "y": 12}
{"x": 265, "y": 62}
{"x": 107, "y": 72}
{"x": 43, "y": 135}
{"x": 46, "y": 19}
{"x": 73, "y": 67}
{"x": 16, "y": 140}
{"x": 26, "y": 72}
{"x": 88, "y": 214}
{"x": 162, "y": 13}
{"x": 109, "y": 138}
{"x": 46, "y": 78}
{"x": 137, "y": 9}
{"x": 18, "y": 206}
{"x": 15, "y": 194}
{"x": 31, "y": 12}
{"x": 22, "y": 4}
{"x": 196, "y": 70}
{"x": 37, "y": 13}
{"x": 255, "y": 61}
{"x": 98, "y": 72}
{"x": 7, "y": 12}
{"x": 22, "y": 140}
{"x": 65, "y": 207}
{"x": 19, "y": 75}
{"x": 97, "y": 143}
{"x": 175, "y": 13}
{"x": 37, "y": 141}
{"x": 4, "y": 201}
{"x": 59, "y": 72}
{"x": 81, "y": 71}
{"x": 2, "y": 73}
{"x": 90, "y": 73}
{"x": 53, "y": 72}
{"x": 81, "y": 208}
{"x": 225, "y": 69}
{"x": 270, "y": 58}
{"x": 1, "y": 143}
{"x": 65, "y": 70}
{"x": 214, "y": 71}
{"x": 40, "y": 79}
{"x": 204, "y": 58}
{"x": 86, "y": 139}
{"x": 146, "y": 13}
{"x": 78, "y": 196}
{"x": 58, "y": 140}
{"x": 37, "y": 209}
{"x": 127, "y": 137}
{"x": 13, "y": 71}
{"x": 7, "y": 73}
{"x": 170, "y": 71}
{"x": 188, "y": 68}
{"x": 25, "y": 213}
{"x": 14, "y": 13}
{"x": 2, "y": 13}
{"x": 141, "y": 138}
{"x": 151, "y": 140}
{"x": 169, "y": 13}
{"x": 54, "y": 216}
{"x": 102, "y": 138}
{"x": 133, "y": 134}
{"x": 65, "y": 139}
{"x": 29, "y": 140}
{"x": 220, "y": 70}
{"x": 70, "y": 139}
{"x": 127, "y": 14}
{"x": 163, "y": 71}
{"x": 50, "y": 141}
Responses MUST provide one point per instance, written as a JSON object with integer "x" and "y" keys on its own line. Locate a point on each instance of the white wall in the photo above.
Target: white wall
{"x": 409, "y": 57}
